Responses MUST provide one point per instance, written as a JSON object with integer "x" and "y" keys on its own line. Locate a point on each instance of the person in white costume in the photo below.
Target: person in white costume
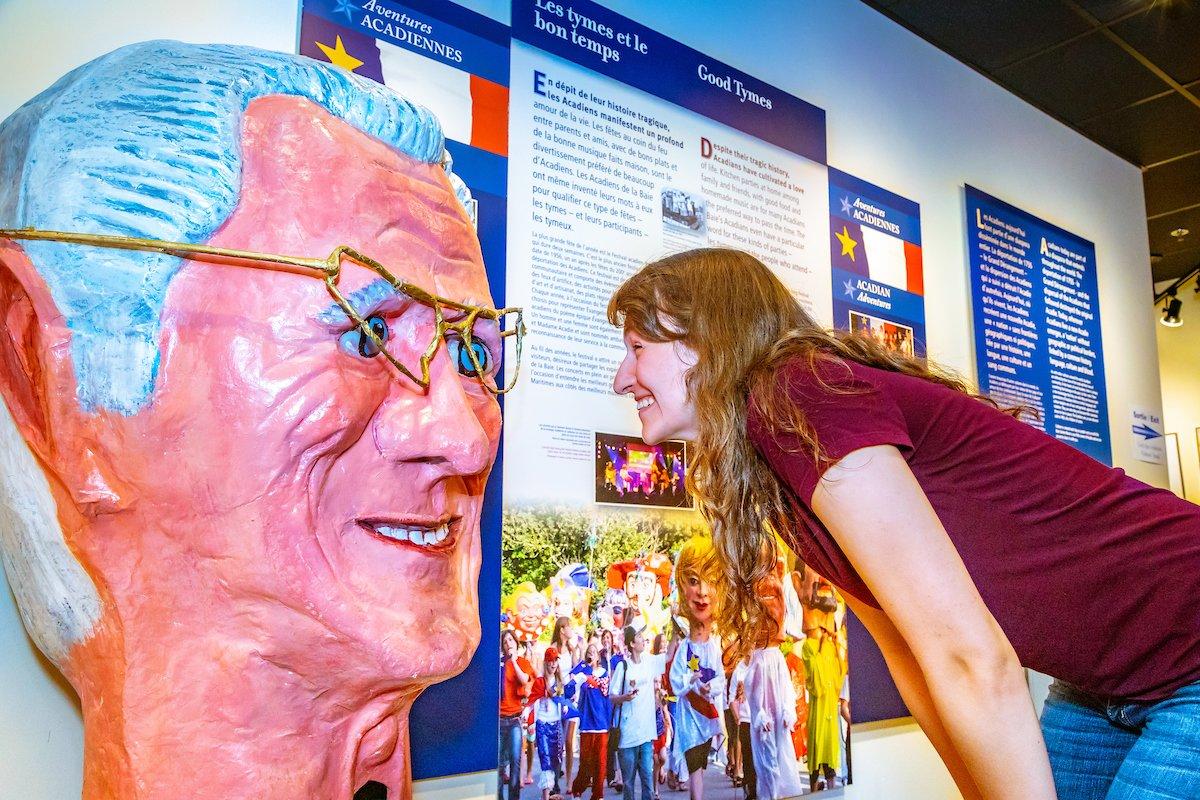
{"x": 772, "y": 702}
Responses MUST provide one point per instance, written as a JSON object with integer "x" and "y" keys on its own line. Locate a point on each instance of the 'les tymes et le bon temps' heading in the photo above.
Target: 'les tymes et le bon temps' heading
{"x": 582, "y": 30}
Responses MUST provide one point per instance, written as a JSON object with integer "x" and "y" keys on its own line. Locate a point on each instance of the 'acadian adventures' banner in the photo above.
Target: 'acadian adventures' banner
{"x": 878, "y": 277}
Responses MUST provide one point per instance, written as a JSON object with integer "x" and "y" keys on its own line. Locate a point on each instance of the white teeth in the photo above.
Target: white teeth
{"x": 415, "y": 534}
{"x": 645, "y": 402}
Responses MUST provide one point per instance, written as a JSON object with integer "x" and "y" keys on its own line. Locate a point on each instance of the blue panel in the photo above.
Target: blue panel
{"x": 1037, "y": 321}
{"x": 451, "y": 721}
{"x": 873, "y": 695}
{"x": 854, "y": 205}
{"x": 483, "y": 172}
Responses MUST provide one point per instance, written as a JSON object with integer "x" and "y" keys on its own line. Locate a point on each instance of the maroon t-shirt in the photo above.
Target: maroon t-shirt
{"x": 1094, "y": 576}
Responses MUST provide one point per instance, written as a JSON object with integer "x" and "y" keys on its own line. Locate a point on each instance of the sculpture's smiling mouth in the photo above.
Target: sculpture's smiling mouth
{"x": 422, "y": 533}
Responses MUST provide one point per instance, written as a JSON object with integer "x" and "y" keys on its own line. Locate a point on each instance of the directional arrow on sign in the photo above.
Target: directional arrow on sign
{"x": 1146, "y": 432}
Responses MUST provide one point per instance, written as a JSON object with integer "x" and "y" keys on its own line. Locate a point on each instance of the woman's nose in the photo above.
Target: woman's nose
{"x": 624, "y": 380}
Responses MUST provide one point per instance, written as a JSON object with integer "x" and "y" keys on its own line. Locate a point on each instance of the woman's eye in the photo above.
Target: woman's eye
{"x": 356, "y": 342}
{"x": 461, "y": 354}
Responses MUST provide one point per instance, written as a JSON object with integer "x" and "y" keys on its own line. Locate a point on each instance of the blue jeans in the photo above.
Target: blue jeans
{"x": 510, "y": 754}
{"x": 637, "y": 761}
{"x": 1102, "y": 749}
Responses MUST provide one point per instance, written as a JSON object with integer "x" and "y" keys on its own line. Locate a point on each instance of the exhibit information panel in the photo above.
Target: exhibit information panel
{"x": 875, "y": 252}
{"x": 1037, "y": 321}
{"x": 455, "y": 63}
{"x": 626, "y": 146}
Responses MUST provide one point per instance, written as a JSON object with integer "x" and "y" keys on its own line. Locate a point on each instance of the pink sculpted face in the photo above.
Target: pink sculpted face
{"x": 317, "y": 529}
{"x": 348, "y": 497}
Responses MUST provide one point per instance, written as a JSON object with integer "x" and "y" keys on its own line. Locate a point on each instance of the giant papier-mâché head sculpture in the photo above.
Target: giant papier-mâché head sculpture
{"x": 240, "y": 495}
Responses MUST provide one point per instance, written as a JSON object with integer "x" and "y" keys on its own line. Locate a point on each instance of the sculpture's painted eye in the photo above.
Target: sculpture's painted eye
{"x": 355, "y": 342}
{"x": 460, "y": 355}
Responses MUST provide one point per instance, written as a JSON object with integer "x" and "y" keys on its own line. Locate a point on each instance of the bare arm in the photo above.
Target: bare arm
{"x": 522, "y": 677}
{"x": 911, "y": 683}
{"x": 613, "y": 683}
{"x": 875, "y": 509}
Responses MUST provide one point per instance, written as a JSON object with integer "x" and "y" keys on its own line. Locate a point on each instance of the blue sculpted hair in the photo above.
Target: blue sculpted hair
{"x": 146, "y": 142}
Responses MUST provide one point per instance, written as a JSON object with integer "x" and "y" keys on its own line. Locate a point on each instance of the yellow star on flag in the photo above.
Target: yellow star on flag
{"x": 338, "y": 56}
{"x": 848, "y": 242}
{"x": 694, "y": 663}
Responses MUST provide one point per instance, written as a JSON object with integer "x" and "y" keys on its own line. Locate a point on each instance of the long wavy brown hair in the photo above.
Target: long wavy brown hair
{"x": 743, "y": 323}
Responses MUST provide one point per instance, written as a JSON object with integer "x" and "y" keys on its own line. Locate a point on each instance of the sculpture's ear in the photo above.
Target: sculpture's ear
{"x": 37, "y": 384}
{"x": 30, "y": 322}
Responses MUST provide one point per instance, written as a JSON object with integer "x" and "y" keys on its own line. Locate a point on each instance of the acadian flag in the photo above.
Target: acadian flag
{"x": 875, "y": 233}
{"x": 875, "y": 252}
{"x": 872, "y": 253}
{"x": 702, "y": 706}
{"x": 472, "y": 109}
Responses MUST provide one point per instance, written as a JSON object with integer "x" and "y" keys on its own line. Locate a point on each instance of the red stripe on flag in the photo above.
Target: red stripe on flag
{"x": 489, "y": 116}
{"x": 914, "y": 268}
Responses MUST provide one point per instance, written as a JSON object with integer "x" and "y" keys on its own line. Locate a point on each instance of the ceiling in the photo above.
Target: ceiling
{"x": 1124, "y": 73}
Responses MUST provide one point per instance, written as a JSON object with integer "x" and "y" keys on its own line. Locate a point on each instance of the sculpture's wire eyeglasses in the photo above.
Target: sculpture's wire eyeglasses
{"x": 473, "y": 355}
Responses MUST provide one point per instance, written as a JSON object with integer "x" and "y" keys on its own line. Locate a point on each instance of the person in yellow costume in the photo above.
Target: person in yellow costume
{"x": 825, "y": 674}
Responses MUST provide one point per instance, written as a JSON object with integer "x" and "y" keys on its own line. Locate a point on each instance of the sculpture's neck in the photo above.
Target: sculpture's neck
{"x": 213, "y": 719}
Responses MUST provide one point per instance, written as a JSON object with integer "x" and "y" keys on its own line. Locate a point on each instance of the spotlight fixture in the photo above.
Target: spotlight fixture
{"x": 1171, "y": 311}
{"x": 1179, "y": 233}
{"x": 1172, "y": 306}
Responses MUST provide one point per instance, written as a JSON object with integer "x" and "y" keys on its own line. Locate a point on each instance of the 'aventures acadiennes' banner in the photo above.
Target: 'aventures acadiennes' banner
{"x": 875, "y": 249}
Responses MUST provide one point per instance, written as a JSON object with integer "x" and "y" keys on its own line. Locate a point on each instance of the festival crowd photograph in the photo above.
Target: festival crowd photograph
{"x": 616, "y": 681}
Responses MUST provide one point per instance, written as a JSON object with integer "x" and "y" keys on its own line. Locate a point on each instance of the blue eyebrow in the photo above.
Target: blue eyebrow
{"x": 362, "y": 300}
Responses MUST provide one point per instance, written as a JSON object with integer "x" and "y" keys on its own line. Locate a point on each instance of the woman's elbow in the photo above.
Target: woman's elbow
{"x": 990, "y": 670}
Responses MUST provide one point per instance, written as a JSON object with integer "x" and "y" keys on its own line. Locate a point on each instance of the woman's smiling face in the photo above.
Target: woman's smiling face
{"x": 655, "y": 373}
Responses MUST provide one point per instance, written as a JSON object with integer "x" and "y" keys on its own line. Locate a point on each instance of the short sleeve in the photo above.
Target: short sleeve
{"x": 848, "y": 408}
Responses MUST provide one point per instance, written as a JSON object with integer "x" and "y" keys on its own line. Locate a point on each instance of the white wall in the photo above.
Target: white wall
{"x": 1178, "y": 353}
{"x": 900, "y": 114}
